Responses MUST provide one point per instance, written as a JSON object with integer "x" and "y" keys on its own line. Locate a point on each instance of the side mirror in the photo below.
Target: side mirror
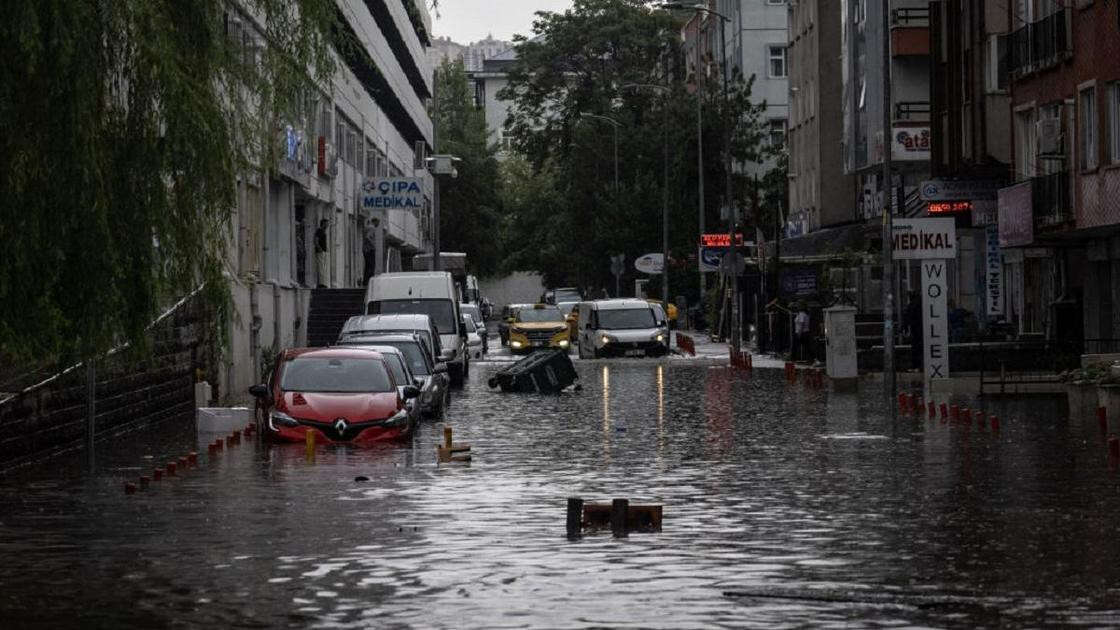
{"x": 439, "y": 368}
{"x": 417, "y": 381}
{"x": 259, "y": 391}
{"x": 446, "y": 355}
{"x": 411, "y": 391}
{"x": 661, "y": 324}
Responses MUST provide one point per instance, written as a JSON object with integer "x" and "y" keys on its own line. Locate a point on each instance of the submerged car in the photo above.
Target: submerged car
{"x": 538, "y": 326}
{"x": 402, "y": 375}
{"x": 433, "y": 381}
{"x": 342, "y": 394}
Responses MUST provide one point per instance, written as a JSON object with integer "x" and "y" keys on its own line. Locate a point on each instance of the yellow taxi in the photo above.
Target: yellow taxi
{"x": 538, "y": 326}
{"x": 672, "y": 312}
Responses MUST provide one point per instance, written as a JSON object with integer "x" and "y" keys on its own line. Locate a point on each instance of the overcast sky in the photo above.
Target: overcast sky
{"x": 465, "y": 21}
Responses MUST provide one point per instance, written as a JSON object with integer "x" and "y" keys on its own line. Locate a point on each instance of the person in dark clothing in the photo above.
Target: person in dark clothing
{"x": 912, "y": 319}
{"x": 321, "y": 252}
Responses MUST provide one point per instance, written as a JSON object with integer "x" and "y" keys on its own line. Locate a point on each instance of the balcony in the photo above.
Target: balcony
{"x": 1050, "y": 200}
{"x": 910, "y": 32}
{"x": 1039, "y": 45}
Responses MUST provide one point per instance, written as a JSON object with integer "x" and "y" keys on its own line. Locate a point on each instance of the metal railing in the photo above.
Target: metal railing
{"x": 1040, "y": 44}
{"x": 1050, "y": 200}
{"x": 1034, "y": 362}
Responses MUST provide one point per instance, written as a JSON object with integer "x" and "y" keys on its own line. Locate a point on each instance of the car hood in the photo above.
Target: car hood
{"x": 545, "y": 326}
{"x": 328, "y": 407}
{"x": 635, "y": 334}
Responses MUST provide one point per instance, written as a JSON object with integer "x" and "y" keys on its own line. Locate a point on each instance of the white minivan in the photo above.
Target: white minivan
{"x": 621, "y": 328}
{"x": 430, "y": 293}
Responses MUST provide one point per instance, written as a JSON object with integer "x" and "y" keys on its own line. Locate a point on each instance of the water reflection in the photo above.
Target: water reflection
{"x": 784, "y": 506}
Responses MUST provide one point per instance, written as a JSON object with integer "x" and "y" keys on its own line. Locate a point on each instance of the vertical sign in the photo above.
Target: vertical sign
{"x": 936, "y": 326}
{"x": 993, "y": 281}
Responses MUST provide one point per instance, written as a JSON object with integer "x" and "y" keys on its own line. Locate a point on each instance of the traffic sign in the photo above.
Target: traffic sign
{"x": 618, "y": 264}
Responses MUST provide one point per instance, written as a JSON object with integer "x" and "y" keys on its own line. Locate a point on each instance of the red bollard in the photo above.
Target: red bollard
{"x": 955, "y": 413}
{"x": 171, "y": 469}
{"x": 129, "y": 488}
{"x": 183, "y": 461}
{"x": 995, "y": 423}
{"x": 1114, "y": 448}
{"x": 144, "y": 482}
{"x": 1102, "y": 418}
{"x": 932, "y": 410}
{"x": 944, "y": 410}
{"x": 229, "y": 442}
{"x": 157, "y": 474}
{"x": 979, "y": 420}
{"x": 192, "y": 457}
{"x": 902, "y": 402}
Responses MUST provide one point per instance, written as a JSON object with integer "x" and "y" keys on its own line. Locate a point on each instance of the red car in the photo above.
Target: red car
{"x": 345, "y": 395}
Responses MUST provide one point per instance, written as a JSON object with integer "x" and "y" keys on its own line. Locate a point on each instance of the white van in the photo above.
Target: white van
{"x": 430, "y": 293}
{"x": 621, "y": 328}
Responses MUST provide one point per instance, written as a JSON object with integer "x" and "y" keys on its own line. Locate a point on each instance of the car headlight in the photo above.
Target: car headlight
{"x": 604, "y": 340}
{"x": 659, "y": 338}
{"x": 398, "y": 418}
{"x": 282, "y": 419}
{"x": 515, "y": 344}
{"x": 563, "y": 343}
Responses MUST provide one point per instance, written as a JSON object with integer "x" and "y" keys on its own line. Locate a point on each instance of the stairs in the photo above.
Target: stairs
{"x": 330, "y": 308}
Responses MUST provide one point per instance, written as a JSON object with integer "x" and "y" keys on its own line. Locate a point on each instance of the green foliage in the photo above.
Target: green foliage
{"x": 127, "y": 123}
{"x": 618, "y": 59}
{"x": 469, "y": 203}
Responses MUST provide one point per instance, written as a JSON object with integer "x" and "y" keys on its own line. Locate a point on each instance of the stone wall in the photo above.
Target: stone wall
{"x": 134, "y": 388}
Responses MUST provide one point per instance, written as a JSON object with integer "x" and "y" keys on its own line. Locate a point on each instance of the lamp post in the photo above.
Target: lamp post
{"x": 732, "y": 214}
{"x": 615, "y": 125}
{"x": 664, "y": 192}
{"x": 439, "y": 165}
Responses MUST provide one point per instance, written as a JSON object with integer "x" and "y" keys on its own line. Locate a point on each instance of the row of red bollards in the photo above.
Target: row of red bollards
{"x": 742, "y": 360}
{"x": 911, "y": 404}
{"x": 190, "y": 460}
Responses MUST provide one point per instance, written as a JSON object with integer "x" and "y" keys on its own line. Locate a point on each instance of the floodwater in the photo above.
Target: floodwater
{"x": 784, "y": 507}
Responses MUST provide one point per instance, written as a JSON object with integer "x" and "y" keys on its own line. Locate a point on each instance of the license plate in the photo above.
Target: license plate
{"x": 540, "y": 343}
{"x": 635, "y": 353}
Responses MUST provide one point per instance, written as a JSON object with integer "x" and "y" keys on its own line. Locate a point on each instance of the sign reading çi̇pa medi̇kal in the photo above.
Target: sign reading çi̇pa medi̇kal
{"x": 393, "y": 193}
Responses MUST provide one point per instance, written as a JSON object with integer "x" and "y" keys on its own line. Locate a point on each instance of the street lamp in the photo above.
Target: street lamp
{"x": 615, "y": 125}
{"x": 664, "y": 193}
{"x": 732, "y": 214}
{"x": 439, "y": 165}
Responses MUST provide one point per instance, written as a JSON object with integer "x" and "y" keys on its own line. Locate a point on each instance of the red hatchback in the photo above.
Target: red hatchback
{"x": 344, "y": 394}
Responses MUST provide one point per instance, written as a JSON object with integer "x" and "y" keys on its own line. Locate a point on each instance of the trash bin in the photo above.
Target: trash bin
{"x": 547, "y": 371}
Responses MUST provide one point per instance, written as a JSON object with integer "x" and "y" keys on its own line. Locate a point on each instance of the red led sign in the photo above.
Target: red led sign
{"x": 946, "y": 207}
{"x": 719, "y": 240}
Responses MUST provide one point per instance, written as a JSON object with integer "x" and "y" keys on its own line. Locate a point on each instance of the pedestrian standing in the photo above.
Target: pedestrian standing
{"x": 912, "y": 319}
{"x": 321, "y": 252}
{"x": 801, "y": 334}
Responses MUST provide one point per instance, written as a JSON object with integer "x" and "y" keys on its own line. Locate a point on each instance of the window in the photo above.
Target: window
{"x": 777, "y": 132}
{"x": 777, "y": 62}
{"x": 1025, "y": 143}
{"x": 1087, "y": 127}
{"x": 1114, "y": 123}
{"x": 995, "y": 64}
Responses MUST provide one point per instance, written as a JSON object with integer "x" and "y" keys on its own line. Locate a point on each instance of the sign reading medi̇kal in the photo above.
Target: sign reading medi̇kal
{"x": 923, "y": 239}
{"x": 393, "y": 193}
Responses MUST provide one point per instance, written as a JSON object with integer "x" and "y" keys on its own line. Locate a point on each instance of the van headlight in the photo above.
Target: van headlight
{"x": 605, "y": 339}
{"x": 515, "y": 344}
{"x": 659, "y": 338}
{"x": 280, "y": 418}
{"x": 563, "y": 343}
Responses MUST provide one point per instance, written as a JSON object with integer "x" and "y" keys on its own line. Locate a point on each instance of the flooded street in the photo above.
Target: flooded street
{"x": 784, "y": 507}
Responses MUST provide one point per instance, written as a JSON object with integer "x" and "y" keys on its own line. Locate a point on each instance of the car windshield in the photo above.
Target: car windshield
{"x": 566, "y": 307}
{"x": 567, "y": 295}
{"x": 468, "y": 321}
{"x": 441, "y": 311}
{"x": 342, "y": 375}
{"x": 397, "y": 368}
{"x": 412, "y": 351}
{"x": 612, "y": 319}
{"x": 551, "y": 314}
{"x": 472, "y": 310}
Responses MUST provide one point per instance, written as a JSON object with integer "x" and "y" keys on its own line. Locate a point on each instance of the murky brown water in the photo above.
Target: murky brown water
{"x": 784, "y": 507}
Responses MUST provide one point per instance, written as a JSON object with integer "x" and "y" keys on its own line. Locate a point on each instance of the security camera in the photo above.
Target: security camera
{"x": 454, "y": 173}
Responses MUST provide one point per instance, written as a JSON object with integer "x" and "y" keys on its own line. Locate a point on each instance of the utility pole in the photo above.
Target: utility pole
{"x": 732, "y": 211}
{"x": 700, "y": 153}
{"x": 665, "y": 202}
{"x": 888, "y": 210}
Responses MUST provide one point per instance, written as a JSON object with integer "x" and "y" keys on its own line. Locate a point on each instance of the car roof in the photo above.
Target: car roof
{"x": 394, "y": 319}
{"x": 620, "y": 303}
{"x": 390, "y": 337}
{"x": 333, "y": 352}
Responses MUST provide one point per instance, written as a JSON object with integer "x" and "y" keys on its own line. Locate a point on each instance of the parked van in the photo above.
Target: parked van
{"x": 391, "y": 324}
{"x": 621, "y": 328}
{"x": 430, "y": 293}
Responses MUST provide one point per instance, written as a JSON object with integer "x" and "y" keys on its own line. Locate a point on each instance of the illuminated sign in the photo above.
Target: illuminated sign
{"x": 946, "y": 207}
{"x": 719, "y": 240}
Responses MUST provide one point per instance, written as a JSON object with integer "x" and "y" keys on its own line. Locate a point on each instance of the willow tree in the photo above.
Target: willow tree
{"x": 126, "y": 124}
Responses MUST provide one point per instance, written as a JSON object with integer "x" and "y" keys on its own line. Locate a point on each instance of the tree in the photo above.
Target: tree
{"x": 127, "y": 123}
{"x": 469, "y": 203}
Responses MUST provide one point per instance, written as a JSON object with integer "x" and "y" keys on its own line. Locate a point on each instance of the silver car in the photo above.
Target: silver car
{"x": 432, "y": 379}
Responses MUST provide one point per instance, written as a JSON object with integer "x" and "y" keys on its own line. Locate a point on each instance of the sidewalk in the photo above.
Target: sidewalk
{"x": 713, "y": 350}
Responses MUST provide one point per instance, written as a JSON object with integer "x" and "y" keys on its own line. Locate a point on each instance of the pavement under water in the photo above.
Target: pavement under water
{"x": 784, "y": 506}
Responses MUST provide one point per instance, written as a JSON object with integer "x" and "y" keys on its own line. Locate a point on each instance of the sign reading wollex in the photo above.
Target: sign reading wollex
{"x": 932, "y": 241}
{"x": 393, "y": 193}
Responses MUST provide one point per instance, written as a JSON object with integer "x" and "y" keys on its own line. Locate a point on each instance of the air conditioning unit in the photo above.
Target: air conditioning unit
{"x": 1049, "y": 134}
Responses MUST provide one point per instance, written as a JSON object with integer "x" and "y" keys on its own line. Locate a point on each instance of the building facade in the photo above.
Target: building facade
{"x": 1058, "y": 222}
{"x": 366, "y": 122}
{"x": 821, "y": 194}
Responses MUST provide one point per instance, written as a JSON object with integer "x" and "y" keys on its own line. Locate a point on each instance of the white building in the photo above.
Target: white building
{"x": 367, "y": 122}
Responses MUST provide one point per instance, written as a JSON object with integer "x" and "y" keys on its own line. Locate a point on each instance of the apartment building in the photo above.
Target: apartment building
{"x": 1058, "y": 222}
{"x": 367, "y": 121}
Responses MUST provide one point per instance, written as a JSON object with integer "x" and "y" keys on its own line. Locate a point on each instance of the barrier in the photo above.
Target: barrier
{"x": 451, "y": 452}
{"x": 686, "y": 344}
{"x": 620, "y": 515}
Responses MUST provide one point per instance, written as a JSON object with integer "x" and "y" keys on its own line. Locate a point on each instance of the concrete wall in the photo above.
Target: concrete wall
{"x": 266, "y": 316}
{"x": 516, "y": 288}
